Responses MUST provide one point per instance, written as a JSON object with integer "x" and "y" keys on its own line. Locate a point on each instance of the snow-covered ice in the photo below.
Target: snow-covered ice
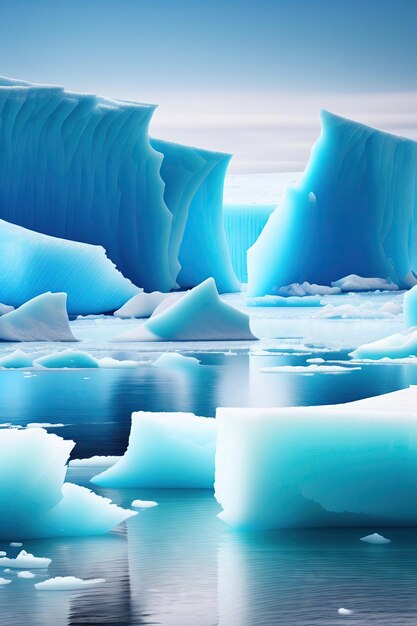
{"x": 176, "y": 361}
{"x": 5, "y": 581}
{"x": 25, "y": 574}
{"x": 285, "y": 301}
{"x": 343, "y": 611}
{"x": 376, "y": 539}
{"x": 397, "y": 346}
{"x": 306, "y": 289}
{"x": 353, "y": 282}
{"x": 144, "y": 504}
{"x": 43, "y": 318}
{"x": 24, "y": 560}
{"x": 165, "y": 450}
{"x": 350, "y": 464}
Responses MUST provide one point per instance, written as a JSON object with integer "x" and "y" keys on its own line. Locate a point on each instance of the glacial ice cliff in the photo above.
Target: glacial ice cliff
{"x": 83, "y": 168}
{"x": 353, "y": 212}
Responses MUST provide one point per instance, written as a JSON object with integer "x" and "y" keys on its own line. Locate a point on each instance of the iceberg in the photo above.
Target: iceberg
{"x": 350, "y": 464}
{"x": 198, "y": 315}
{"x": 397, "y": 346}
{"x": 33, "y": 263}
{"x": 43, "y": 318}
{"x": 360, "y": 283}
{"x": 176, "y": 361}
{"x": 34, "y": 500}
{"x": 305, "y": 289}
{"x": 26, "y": 574}
{"x": 353, "y": 212}
{"x": 141, "y": 305}
{"x": 166, "y": 450}
{"x": 376, "y": 539}
{"x": 79, "y": 359}
{"x": 410, "y": 307}
{"x": 16, "y": 359}
{"x": 25, "y": 559}
{"x": 92, "y": 174}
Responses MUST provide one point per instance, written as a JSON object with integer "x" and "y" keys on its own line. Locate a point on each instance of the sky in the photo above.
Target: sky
{"x": 239, "y": 76}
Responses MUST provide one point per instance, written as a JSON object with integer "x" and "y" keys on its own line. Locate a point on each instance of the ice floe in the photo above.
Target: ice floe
{"x": 68, "y": 583}
{"x": 376, "y": 539}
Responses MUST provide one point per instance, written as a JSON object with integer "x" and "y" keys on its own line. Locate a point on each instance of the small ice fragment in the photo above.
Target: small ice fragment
{"x": 343, "y": 611}
{"x": 3, "y": 553}
{"x": 16, "y": 544}
{"x": 26, "y": 574}
{"x": 25, "y": 559}
{"x": 67, "y": 583}
{"x": 7, "y": 570}
{"x": 4, "y": 581}
{"x": 376, "y": 539}
{"x": 144, "y": 504}
{"x": 43, "y": 425}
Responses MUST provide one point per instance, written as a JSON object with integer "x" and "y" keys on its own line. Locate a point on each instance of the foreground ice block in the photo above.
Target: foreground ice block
{"x": 32, "y": 263}
{"x": 43, "y": 318}
{"x": 351, "y": 464}
{"x": 83, "y": 168}
{"x": 353, "y": 212}
{"x": 165, "y": 450}
{"x": 35, "y": 501}
{"x": 398, "y": 346}
{"x": 198, "y": 315}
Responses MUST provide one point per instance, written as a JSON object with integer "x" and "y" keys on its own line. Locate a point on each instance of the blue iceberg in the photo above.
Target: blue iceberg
{"x": 34, "y": 499}
{"x": 166, "y": 450}
{"x": 351, "y": 464}
{"x": 33, "y": 263}
{"x": 353, "y": 212}
{"x": 83, "y": 168}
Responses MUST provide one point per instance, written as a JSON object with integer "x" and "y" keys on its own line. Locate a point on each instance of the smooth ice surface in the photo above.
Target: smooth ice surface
{"x": 306, "y": 289}
{"x": 376, "y": 539}
{"x": 33, "y": 263}
{"x": 285, "y": 301}
{"x": 353, "y": 212}
{"x": 35, "y": 501}
{"x": 198, "y": 315}
{"x": 410, "y": 307}
{"x": 165, "y": 450}
{"x": 92, "y": 174}
{"x": 353, "y": 282}
{"x": 350, "y": 464}
{"x": 17, "y": 358}
{"x": 25, "y": 559}
{"x": 141, "y": 305}
{"x": 43, "y": 318}
{"x": 68, "y": 583}
{"x": 95, "y": 461}
{"x": 396, "y": 346}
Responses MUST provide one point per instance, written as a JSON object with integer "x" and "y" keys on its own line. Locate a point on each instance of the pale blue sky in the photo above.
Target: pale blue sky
{"x": 243, "y": 76}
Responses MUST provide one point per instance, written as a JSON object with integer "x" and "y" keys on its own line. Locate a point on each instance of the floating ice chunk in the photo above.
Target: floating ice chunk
{"x": 287, "y": 301}
{"x": 176, "y": 361}
{"x": 393, "y": 308}
{"x": 26, "y": 574}
{"x": 35, "y": 501}
{"x": 68, "y": 583}
{"x": 410, "y": 307}
{"x": 78, "y": 359}
{"x": 355, "y": 225}
{"x": 67, "y": 359}
{"x": 376, "y": 539}
{"x": 44, "y": 425}
{"x": 25, "y": 559}
{"x": 361, "y": 311}
{"x": 142, "y": 304}
{"x": 95, "y": 461}
{"x": 360, "y": 283}
{"x": 3, "y": 553}
{"x": 5, "y": 581}
{"x": 165, "y": 450}
{"x": 143, "y": 504}
{"x": 397, "y": 346}
{"x": 33, "y": 263}
{"x": 43, "y": 318}
{"x": 343, "y": 611}
{"x": 16, "y": 359}
{"x": 198, "y": 315}
{"x": 308, "y": 369}
{"x": 306, "y": 289}
{"x": 351, "y": 464}
{"x": 15, "y": 544}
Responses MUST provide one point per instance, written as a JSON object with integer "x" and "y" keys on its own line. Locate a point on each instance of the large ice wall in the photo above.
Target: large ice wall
{"x": 32, "y": 263}
{"x": 351, "y": 464}
{"x": 353, "y": 212}
{"x": 35, "y": 501}
{"x": 83, "y": 168}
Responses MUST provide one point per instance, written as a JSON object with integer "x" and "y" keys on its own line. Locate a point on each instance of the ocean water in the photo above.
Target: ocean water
{"x": 177, "y": 564}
